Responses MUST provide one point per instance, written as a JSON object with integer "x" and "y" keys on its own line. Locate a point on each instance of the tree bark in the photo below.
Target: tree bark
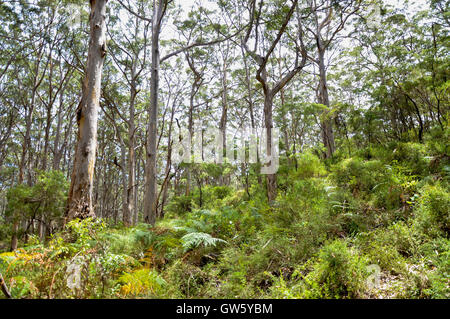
{"x": 326, "y": 123}
{"x": 251, "y": 107}
{"x": 131, "y": 191}
{"x": 224, "y": 117}
{"x": 150, "y": 199}
{"x": 80, "y": 194}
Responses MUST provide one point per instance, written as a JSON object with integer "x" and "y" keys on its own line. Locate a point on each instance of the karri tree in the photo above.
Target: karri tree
{"x": 80, "y": 201}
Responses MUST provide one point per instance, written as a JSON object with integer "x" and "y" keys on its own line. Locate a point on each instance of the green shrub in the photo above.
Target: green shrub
{"x": 412, "y": 155}
{"x": 337, "y": 272}
{"x": 309, "y": 165}
{"x": 380, "y": 248}
{"x": 360, "y": 176}
{"x": 437, "y": 253}
{"x": 45, "y": 200}
{"x": 433, "y": 211}
{"x": 180, "y": 205}
{"x": 142, "y": 282}
{"x": 186, "y": 280}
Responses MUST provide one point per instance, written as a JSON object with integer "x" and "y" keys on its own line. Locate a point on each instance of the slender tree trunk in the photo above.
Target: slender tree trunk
{"x": 57, "y": 149}
{"x": 150, "y": 200}
{"x": 23, "y": 161}
{"x": 123, "y": 167}
{"x": 271, "y": 179}
{"x": 191, "y": 126}
{"x": 131, "y": 191}
{"x": 165, "y": 186}
{"x": 251, "y": 108}
{"x": 327, "y": 123}
{"x": 47, "y": 136}
{"x": 80, "y": 194}
{"x": 138, "y": 179}
{"x": 224, "y": 116}
{"x": 283, "y": 112}
{"x": 194, "y": 89}
{"x": 419, "y": 117}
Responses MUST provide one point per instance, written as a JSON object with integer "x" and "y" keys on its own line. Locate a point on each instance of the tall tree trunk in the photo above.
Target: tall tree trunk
{"x": 251, "y": 107}
{"x": 80, "y": 194}
{"x": 194, "y": 89}
{"x": 165, "y": 186}
{"x": 126, "y": 217}
{"x": 271, "y": 179}
{"x": 138, "y": 179}
{"x": 131, "y": 191}
{"x": 191, "y": 125}
{"x": 327, "y": 123}
{"x": 150, "y": 199}
{"x": 57, "y": 149}
{"x": 46, "y": 138}
{"x": 224, "y": 116}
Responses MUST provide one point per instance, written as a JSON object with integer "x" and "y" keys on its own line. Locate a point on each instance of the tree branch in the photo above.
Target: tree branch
{"x": 199, "y": 44}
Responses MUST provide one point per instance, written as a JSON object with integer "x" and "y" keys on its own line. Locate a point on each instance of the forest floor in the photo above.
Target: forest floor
{"x": 371, "y": 225}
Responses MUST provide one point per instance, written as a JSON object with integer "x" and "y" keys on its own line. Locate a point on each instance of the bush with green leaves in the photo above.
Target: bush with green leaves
{"x": 76, "y": 252}
{"x": 337, "y": 271}
{"x": 44, "y": 201}
{"x": 437, "y": 254}
{"x": 186, "y": 280}
{"x": 179, "y": 205}
{"x": 309, "y": 165}
{"x": 433, "y": 210}
{"x": 131, "y": 241}
{"x": 360, "y": 176}
{"x": 411, "y": 155}
{"x": 389, "y": 247}
{"x": 142, "y": 282}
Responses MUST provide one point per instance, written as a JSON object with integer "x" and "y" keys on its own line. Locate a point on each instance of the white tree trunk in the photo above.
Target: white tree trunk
{"x": 80, "y": 194}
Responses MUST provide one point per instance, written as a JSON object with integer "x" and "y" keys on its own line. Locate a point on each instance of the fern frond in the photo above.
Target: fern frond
{"x": 194, "y": 240}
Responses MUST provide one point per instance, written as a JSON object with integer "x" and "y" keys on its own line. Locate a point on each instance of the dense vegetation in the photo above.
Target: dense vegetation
{"x": 362, "y": 215}
{"x": 330, "y": 222}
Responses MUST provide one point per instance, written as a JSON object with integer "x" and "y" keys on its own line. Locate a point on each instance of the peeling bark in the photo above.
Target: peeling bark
{"x": 81, "y": 188}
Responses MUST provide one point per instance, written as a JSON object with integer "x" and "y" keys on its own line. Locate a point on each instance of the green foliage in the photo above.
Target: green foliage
{"x": 194, "y": 240}
{"x": 359, "y": 175}
{"x": 387, "y": 247}
{"x": 433, "y": 211}
{"x": 411, "y": 155}
{"x": 180, "y": 204}
{"x": 187, "y": 280}
{"x": 75, "y": 252}
{"x": 438, "y": 251}
{"x": 309, "y": 165}
{"x": 337, "y": 272}
{"x": 141, "y": 282}
{"x": 46, "y": 199}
